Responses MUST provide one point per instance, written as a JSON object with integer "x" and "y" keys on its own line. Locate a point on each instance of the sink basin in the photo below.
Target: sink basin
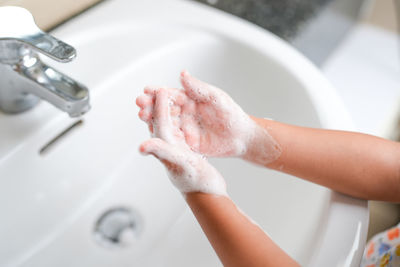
{"x": 58, "y": 176}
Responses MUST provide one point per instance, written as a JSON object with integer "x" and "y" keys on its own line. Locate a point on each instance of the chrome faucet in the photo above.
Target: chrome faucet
{"x": 24, "y": 78}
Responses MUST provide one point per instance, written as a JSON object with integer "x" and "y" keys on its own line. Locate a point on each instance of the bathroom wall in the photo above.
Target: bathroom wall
{"x": 49, "y": 13}
{"x": 382, "y": 14}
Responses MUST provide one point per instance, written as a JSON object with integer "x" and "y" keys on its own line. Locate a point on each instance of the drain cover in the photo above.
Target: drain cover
{"x": 117, "y": 227}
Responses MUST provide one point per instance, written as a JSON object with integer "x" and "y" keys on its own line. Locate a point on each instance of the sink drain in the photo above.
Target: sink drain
{"x": 117, "y": 227}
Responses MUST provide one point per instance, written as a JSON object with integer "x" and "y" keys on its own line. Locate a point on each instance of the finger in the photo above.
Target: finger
{"x": 145, "y": 115}
{"x": 151, "y": 128}
{"x": 190, "y": 125}
{"x": 143, "y": 101}
{"x": 150, "y": 90}
{"x": 162, "y": 108}
{"x": 191, "y": 133}
{"x": 178, "y": 95}
{"x": 162, "y": 150}
{"x": 175, "y": 110}
{"x": 161, "y": 116}
{"x": 196, "y": 89}
{"x": 165, "y": 153}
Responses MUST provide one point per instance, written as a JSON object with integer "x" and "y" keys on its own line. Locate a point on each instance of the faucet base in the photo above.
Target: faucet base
{"x": 12, "y": 98}
{"x": 19, "y": 105}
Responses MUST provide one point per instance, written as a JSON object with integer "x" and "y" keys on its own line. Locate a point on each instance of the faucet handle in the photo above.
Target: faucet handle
{"x": 17, "y": 24}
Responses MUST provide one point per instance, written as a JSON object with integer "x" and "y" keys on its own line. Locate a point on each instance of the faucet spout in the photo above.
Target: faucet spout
{"x": 55, "y": 87}
{"x": 30, "y": 80}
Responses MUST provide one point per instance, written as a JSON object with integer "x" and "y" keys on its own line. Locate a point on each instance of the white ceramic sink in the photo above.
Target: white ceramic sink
{"x": 50, "y": 202}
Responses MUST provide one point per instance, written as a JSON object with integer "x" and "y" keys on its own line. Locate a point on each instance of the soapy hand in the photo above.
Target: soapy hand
{"x": 209, "y": 122}
{"x": 188, "y": 171}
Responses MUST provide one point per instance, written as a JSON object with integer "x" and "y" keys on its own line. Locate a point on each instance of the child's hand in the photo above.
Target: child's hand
{"x": 188, "y": 171}
{"x": 210, "y": 122}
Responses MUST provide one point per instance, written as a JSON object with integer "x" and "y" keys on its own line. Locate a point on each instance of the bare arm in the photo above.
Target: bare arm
{"x": 236, "y": 240}
{"x": 356, "y": 164}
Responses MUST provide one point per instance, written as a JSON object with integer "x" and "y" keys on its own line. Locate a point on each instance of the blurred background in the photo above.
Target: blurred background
{"x": 354, "y": 42}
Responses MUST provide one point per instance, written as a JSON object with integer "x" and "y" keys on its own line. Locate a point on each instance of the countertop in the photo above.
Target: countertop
{"x": 284, "y": 18}
{"x": 48, "y": 13}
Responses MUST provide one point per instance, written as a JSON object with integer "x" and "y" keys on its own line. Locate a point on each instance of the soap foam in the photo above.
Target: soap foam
{"x": 200, "y": 121}
{"x": 188, "y": 171}
{"x": 227, "y": 130}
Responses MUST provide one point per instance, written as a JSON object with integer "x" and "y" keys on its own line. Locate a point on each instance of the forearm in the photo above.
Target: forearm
{"x": 236, "y": 240}
{"x": 352, "y": 163}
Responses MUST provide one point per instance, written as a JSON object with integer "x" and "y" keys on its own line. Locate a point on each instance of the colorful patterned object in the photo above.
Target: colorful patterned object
{"x": 383, "y": 250}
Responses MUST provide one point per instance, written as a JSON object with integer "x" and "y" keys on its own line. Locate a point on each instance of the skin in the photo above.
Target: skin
{"x": 355, "y": 164}
{"x": 202, "y": 119}
{"x": 236, "y": 240}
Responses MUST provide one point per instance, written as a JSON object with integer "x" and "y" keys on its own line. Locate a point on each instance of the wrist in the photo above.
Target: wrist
{"x": 262, "y": 148}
